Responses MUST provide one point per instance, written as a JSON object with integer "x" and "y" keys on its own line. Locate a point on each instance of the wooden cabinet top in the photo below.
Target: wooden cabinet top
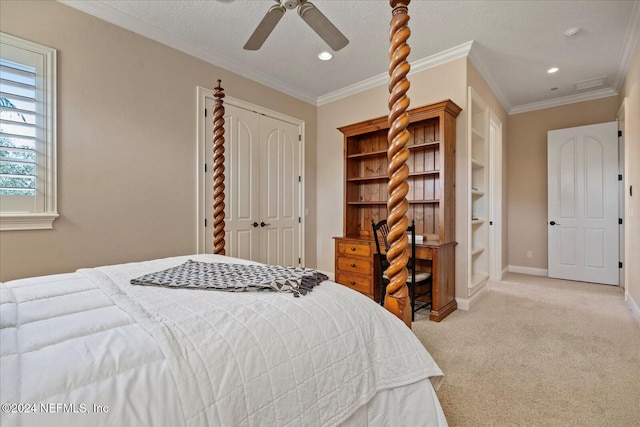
{"x": 416, "y": 114}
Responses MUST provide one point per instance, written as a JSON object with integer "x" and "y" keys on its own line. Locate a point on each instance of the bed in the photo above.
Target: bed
{"x": 90, "y": 348}
{"x": 94, "y": 348}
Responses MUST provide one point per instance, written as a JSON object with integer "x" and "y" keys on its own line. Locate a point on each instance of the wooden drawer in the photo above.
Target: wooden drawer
{"x": 422, "y": 252}
{"x": 356, "y": 282}
{"x": 354, "y": 265}
{"x": 354, "y": 249}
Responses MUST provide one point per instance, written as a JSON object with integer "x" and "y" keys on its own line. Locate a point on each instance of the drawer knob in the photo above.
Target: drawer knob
{"x": 352, "y": 283}
{"x": 353, "y": 265}
{"x": 353, "y": 249}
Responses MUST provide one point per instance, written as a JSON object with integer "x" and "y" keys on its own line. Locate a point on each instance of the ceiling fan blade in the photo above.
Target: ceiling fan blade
{"x": 265, "y": 27}
{"x": 322, "y": 26}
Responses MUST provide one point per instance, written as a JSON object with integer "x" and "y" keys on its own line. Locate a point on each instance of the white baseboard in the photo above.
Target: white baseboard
{"x": 528, "y": 270}
{"x": 635, "y": 311}
{"x": 465, "y": 304}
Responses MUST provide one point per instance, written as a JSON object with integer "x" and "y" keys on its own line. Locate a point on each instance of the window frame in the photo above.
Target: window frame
{"x": 46, "y": 210}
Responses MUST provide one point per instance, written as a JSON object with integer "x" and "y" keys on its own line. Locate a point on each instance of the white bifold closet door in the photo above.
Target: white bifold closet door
{"x": 263, "y": 188}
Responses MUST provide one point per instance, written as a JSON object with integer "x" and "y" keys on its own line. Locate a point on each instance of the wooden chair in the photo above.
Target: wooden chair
{"x": 382, "y": 229}
{"x": 419, "y": 279}
{"x": 416, "y": 279}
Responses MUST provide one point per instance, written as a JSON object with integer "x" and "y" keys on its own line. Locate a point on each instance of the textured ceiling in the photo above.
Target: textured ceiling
{"x": 514, "y": 42}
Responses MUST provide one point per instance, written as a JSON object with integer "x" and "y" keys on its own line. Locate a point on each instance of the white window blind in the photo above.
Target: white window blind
{"x": 28, "y": 198}
{"x": 17, "y": 129}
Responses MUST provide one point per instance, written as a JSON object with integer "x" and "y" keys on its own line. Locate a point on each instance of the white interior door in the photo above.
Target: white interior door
{"x": 242, "y": 183}
{"x": 280, "y": 192}
{"x": 583, "y": 203}
{"x": 262, "y": 187}
{"x": 495, "y": 212}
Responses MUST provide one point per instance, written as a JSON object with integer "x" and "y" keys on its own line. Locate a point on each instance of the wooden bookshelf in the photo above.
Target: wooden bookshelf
{"x": 431, "y": 197}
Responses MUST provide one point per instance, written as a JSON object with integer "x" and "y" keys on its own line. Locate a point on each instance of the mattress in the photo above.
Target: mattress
{"x": 89, "y": 348}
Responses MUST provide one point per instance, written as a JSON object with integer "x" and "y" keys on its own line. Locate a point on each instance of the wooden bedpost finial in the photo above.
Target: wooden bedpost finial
{"x": 398, "y": 3}
{"x": 219, "y": 91}
{"x": 397, "y": 297}
{"x": 218, "y": 171}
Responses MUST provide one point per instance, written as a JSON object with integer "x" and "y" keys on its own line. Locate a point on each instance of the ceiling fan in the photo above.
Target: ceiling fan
{"x": 309, "y": 13}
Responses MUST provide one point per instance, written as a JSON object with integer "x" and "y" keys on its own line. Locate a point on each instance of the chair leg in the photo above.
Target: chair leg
{"x": 412, "y": 291}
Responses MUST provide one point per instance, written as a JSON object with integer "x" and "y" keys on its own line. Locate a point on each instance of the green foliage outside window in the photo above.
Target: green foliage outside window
{"x": 17, "y": 167}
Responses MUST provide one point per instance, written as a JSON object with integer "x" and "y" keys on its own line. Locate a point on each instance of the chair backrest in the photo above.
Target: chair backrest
{"x": 412, "y": 261}
{"x": 382, "y": 229}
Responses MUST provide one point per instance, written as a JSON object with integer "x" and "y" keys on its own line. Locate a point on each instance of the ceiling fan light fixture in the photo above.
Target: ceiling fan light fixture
{"x": 289, "y": 4}
{"x": 325, "y": 56}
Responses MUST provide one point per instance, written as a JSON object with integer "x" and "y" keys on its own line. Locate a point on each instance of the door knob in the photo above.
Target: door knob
{"x": 553, "y": 223}
{"x": 255, "y": 224}
{"x": 263, "y": 224}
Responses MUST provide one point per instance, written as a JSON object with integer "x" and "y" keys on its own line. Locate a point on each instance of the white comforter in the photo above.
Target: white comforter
{"x": 88, "y": 348}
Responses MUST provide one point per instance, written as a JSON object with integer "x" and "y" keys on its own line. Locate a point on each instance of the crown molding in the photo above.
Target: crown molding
{"x": 485, "y": 72}
{"x": 571, "y": 99}
{"x": 631, "y": 40}
{"x": 109, "y": 14}
{"x": 440, "y": 58}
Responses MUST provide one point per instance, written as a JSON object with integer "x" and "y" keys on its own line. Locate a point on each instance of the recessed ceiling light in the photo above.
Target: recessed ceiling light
{"x": 325, "y": 56}
{"x": 572, "y": 32}
{"x": 552, "y": 70}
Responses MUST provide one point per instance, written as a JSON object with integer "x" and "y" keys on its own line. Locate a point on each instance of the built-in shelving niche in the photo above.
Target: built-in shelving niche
{"x": 478, "y": 228}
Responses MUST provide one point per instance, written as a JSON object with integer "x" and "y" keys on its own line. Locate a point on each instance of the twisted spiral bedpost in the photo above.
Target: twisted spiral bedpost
{"x": 397, "y": 297}
{"x": 218, "y": 171}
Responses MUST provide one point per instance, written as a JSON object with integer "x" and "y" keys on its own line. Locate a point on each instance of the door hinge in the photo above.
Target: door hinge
{"x": 620, "y": 177}
{"x": 620, "y": 264}
{"x": 620, "y": 221}
{"x": 299, "y": 178}
{"x": 619, "y": 133}
{"x": 300, "y": 138}
{"x": 205, "y": 167}
{"x": 299, "y": 220}
{"x": 205, "y": 112}
{"x": 299, "y": 260}
{"x": 205, "y": 222}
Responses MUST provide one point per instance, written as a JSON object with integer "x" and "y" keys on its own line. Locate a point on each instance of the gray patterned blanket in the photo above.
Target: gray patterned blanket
{"x": 235, "y": 277}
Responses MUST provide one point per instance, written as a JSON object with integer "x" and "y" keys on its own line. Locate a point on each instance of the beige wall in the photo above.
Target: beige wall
{"x": 126, "y": 144}
{"x": 630, "y": 94}
{"x": 478, "y": 83}
{"x": 127, "y": 150}
{"x": 446, "y": 81}
{"x": 527, "y": 172}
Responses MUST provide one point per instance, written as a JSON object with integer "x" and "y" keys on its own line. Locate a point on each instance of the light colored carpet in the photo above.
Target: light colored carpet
{"x": 538, "y": 352}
